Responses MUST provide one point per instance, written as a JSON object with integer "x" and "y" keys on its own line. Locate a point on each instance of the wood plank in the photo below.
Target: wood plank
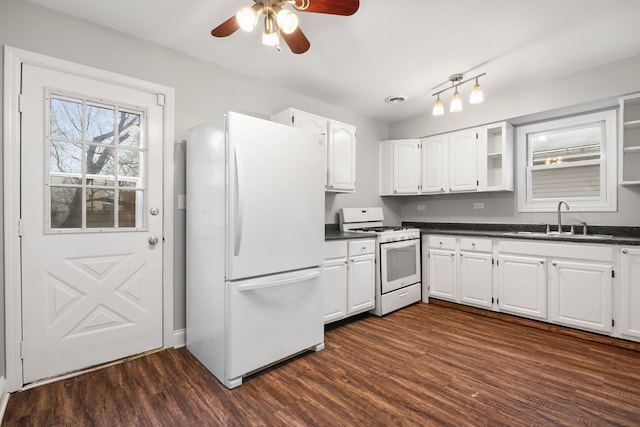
{"x": 426, "y": 364}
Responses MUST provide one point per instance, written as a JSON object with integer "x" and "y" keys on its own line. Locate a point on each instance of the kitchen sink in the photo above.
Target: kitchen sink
{"x": 556, "y": 234}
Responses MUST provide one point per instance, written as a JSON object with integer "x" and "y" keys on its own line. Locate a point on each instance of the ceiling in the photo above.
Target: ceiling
{"x": 389, "y": 48}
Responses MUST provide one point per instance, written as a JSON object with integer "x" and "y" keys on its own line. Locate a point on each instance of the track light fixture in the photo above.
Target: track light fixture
{"x": 456, "y": 103}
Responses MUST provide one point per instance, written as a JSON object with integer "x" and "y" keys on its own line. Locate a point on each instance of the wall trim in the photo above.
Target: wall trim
{"x": 4, "y": 400}
{"x": 13, "y": 60}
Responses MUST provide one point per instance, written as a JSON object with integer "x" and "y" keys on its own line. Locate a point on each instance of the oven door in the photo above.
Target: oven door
{"x": 399, "y": 264}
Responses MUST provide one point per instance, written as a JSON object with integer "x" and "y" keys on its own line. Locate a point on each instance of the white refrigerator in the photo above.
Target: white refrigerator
{"x": 255, "y": 229}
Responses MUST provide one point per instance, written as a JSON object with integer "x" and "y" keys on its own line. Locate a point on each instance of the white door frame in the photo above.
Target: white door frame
{"x": 13, "y": 60}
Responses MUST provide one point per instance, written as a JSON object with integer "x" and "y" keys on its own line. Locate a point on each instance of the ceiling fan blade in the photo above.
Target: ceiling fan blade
{"x": 227, "y": 28}
{"x": 332, "y": 7}
{"x": 297, "y": 41}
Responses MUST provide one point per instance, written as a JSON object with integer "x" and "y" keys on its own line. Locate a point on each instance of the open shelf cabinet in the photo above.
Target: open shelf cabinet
{"x": 630, "y": 140}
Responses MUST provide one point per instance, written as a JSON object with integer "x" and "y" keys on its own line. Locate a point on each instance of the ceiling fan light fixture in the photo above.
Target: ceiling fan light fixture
{"x": 287, "y": 21}
{"x": 476, "y": 94}
{"x": 247, "y": 17}
{"x": 270, "y": 36}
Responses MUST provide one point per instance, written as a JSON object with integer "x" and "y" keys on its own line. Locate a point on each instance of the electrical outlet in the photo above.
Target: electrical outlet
{"x": 421, "y": 207}
{"x": 478, "y": 205}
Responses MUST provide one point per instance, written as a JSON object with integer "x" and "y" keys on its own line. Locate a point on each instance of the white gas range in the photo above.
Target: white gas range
{"x": 398, "y": 273}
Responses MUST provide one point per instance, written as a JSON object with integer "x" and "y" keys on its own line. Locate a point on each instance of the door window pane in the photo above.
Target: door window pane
{"x": 65, "y": 207}
{"x": 100, "y": 125}
{"x": 96, "y": 160}
{"x": 100, "y": 205}
{"x": 129, "y": 134}
{"x": 65, "y": 119}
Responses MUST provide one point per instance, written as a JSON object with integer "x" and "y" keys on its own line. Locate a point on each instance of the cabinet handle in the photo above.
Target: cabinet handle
{"x": 441, "y": 189}
{"x": 542, "y": 262}
{"x": 624, "y": 251}
{"x": 453, "y": 254}
{"x": 553, "y": 263}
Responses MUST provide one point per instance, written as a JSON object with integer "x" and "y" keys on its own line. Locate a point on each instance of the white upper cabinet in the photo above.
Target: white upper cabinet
{"x": 495, "y": 157}
{"x": 340, "y": 141}
{"x": 630, "y": 139}
{"x": 341, "y": 157}
{"x": 476, "y": 159}
{"x": 406, "y": 167}
{"x": 435, "y": 158}
{"x": 462, "y": 160}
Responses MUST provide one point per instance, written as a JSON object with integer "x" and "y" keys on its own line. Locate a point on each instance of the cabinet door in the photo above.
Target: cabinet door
{"x": 580, "y": 295}
{"x": 442, "y": 274}
{"x": 406, "y": 167}
{"x": 522, "y": 286}
{"x": 462, "y": 160}
{"x": 476, "y": 279}
{"x": 341, "y": 157}
{"x": 334, "y": 289}
{"x": 361, "y": 284}
{"x": 630, "y": 290}
{"x": 435, "y": 165}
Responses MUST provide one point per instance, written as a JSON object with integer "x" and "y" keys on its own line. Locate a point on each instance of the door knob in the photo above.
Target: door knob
{"x": 153, "y": 240}
{"x": 154, "y": 211}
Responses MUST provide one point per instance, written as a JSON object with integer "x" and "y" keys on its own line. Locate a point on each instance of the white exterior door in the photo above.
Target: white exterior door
{"x": 91, "y": 202}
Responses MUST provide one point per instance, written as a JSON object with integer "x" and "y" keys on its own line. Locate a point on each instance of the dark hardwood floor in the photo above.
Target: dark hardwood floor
{"x": 423, "y": 365}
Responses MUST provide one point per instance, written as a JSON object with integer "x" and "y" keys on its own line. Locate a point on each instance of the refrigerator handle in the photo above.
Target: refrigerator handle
{"x": 261, "y": 285}
{"x": 238, "y": 204}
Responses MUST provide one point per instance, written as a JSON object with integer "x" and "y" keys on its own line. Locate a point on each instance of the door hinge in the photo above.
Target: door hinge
{"x": 21, "y": 349}
{"x": 161, "y": 99}
{"x": 613, "y": 323}
{"x": 613, "y": 274}
{"x": 293, "y": 120}
{"x": 478, "y": 183}
{"x": 491, "y": 300}
{"x": 493, "y": 261}
{"x": 20, "y": 227}
{"x": 497, "y": 262}
{"x": 20, "y": 98}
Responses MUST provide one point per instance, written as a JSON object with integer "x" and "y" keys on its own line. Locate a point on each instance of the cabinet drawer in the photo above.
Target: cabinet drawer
{"x": 475, "y": 244}
{"x": 361, "y": 247}
{"x": 335, "y": 249}
{"x": 442, "y": 242}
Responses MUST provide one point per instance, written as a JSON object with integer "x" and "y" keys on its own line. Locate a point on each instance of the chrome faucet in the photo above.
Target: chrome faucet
{"x": 566, "y": 205}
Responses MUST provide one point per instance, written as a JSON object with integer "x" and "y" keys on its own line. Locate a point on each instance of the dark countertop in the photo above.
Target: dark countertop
{"x": 612, "y": 235}
{"x": 345, "y": 235}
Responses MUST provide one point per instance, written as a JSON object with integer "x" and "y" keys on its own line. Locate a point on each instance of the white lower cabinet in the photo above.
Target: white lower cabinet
{"x": 630, "y": 292}
{"x": 566, "y": 283}
{"x": 461, "y": 270}
{"x": 476, "y": 272}
{"x": 581, "y": 295}
{"x": 348, "y": 278}
{"x": 522, "y": 286}
{"x": 442, "y": 268}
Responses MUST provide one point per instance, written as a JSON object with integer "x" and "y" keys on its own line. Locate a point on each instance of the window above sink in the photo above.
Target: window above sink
{"x": 571, "y": 159}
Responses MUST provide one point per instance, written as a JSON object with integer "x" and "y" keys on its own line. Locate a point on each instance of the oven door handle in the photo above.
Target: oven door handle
{"x": 401, "y": 244}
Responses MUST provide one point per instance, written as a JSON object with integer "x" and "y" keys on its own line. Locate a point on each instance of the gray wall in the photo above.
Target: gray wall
{"x": 593, "y": 88}
{"x": 202, "y": 90}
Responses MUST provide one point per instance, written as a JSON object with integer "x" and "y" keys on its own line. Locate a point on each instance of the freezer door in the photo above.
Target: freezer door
{"x": 275, "y": 186}
{"x": 271, "y": 318}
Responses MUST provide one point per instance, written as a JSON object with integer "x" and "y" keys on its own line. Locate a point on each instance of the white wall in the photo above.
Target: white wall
{"x": 592, "y": 88}
{"x": 202, "y": 91}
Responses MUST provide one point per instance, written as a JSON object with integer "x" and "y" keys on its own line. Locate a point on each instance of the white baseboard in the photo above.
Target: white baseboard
{"x": 178, "y": 340}
{"x": 5, "y": 397}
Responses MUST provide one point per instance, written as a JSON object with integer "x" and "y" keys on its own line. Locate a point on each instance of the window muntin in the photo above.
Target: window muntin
{"x": 571, "y": 159}
{"x": 96, "y": 166}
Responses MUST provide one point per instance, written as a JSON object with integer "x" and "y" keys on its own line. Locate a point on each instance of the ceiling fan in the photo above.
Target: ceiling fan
{"x": 278, "y": 19}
